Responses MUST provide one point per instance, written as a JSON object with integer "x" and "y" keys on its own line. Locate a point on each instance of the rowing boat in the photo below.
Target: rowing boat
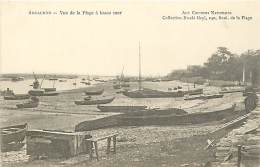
{"x": 205, "y": 97}
{"x": 12, "y": 134}
{"x": 17, "y": 97}
{"x": 173, "y": 119}
{"x": 95, "y": 101}
{"x": 94, "y": 92}
{"x": 31, "y": 104}
{"x": 109, "y": 108}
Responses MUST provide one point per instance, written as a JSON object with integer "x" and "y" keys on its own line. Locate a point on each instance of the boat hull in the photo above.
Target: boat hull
{"x": 14, "y": 134}
{"x": 17, "y": 97}
{"x": 149, "y": 93}
{"x": 120, "y": 108}
{"x": 28, "y": 105}
{"x": 173, "y": 119}
{"x": 205, "y": 97}
{"x": 98, "y": 92}
{"x": 94, "y": 102}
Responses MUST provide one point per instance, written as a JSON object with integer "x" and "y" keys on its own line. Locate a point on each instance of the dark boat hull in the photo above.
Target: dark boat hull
{"x": 49, "y": 89}
{"x": 94, "y": 102}
{"x": 166, "y": 118}
{"x": 14, "y": 134}
{"x": 230, "y": 91}
{"x": 99, "y": 92}
{"x": 43, "y": 93}
{"x": 120, "y": 108}
{"x": 173, "y": 119}
{"x": 17, "y": 97}
{"x": 28, "y": 105}
{"x": 149, "y": 93}
{"x": 205, "y": 97}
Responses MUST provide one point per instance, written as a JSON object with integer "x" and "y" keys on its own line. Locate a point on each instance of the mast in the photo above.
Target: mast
{"x": 140, "y": 75}
{"x": 243, "y": 80}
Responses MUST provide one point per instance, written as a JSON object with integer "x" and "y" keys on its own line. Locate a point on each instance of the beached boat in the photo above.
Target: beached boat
{"x": 94, "y": 92}
{"x": 41, "y": 92}
{"x": 194, "y": 91}
{"x": 17, "y": 97}
{"x": 62, "y": 80}
{"x": 117, "y": 86}
{"x": 150, "y": 93}
{"x": 231, "y": 91}
{"x": 173, "y": 119}
{"x": 13, "y": 134}
{"x": 36, "y": 92}
{"x": 157, "y": 111}
{"x": 28, "y": 105}
{"x": 114, "y": 108}
{"x": 49, "y": 89}
{"x": 17, "y": 79}
{"x": 125, "y": 85}
{"x": 103, "y": 100}
{"x": 162, "y": 117}
{"x": 204, "y": 97}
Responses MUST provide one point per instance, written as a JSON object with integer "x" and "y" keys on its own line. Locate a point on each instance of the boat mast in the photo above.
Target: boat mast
{"x": 243, "y": 80}
{"x": 140, "y": 76}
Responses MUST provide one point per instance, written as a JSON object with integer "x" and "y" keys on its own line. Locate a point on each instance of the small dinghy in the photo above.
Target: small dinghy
{"x": 94, "y": 92}
{"x": 31, "y": 104}
{"x": 94, "y": 101}
{"x": 12, "y": 136}
{"x": 17, "y": 97}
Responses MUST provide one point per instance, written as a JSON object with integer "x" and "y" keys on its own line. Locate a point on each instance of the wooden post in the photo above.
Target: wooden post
{"x": 90, "y": 150}
{"x": 114, "y": 143}
{"x": 239, "y": 155}
{"x": 108, "y": 144}
{"x": 96, "y": 149}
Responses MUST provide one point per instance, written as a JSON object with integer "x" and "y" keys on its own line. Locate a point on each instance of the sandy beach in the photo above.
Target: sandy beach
{"x": 60, "y": 113}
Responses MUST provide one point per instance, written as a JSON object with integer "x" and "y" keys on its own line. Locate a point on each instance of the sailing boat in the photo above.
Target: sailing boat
{"x": 38, "y": 91}
{"x": 149, "y": 93}
{"x": 121, "y": 81}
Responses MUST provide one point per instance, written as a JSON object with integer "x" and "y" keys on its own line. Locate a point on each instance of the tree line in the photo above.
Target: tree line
{"x": 225, "y": 65}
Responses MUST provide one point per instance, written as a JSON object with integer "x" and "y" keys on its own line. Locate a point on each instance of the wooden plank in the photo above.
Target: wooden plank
{"x": 102, "y": 137}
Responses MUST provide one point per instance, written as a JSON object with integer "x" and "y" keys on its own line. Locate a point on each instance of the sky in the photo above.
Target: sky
{"x": 104, "y": 45}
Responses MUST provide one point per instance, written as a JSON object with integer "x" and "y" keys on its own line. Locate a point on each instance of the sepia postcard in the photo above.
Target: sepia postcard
{"x": 113, "y": 83}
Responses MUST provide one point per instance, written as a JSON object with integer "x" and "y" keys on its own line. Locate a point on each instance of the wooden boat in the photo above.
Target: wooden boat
{"x": 213, "y": 96}
{"x": 149, "y": 93}
{"x": 13, "y": 134}
{"x": 17, "y": 79}
{"x": 106, "y": 108}
{"x": 49, "y": 89}
{"x": 87, "y": 98}
{"x": 36, "y": 92}
{"x": 156, "y": 111}
{"x": 203, "y": 97}
{"x": 165, "y": 117}
{"x": 94, "y": 92}
{"x": 231, "y": 91}
{"x": 173, "y": 119}
{"x": 41, "y": 92}
{"x": 117, "y": 86}
{"x": 125, "y": 85}
{"x": 17, "y": 97}
{"x": 193, "y": 92}
{"x": 55, "y": 93}
{"x": 86, "y": 83}
{"x": 95, "y": 101}
{"x": 31, "y": 104}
